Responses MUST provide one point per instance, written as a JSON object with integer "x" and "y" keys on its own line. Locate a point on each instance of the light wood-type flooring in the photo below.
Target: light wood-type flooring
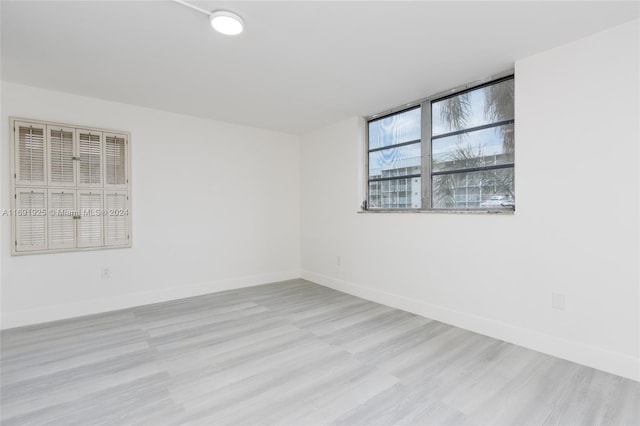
{"x": 291, "y": 353}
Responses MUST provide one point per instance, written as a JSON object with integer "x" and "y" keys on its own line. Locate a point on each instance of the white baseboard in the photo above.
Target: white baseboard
{"x": 591, "y": 356}
{"x": 95, "y": 306}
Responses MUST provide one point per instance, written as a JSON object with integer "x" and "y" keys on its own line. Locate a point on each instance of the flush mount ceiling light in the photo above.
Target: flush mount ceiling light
{"x": 223, "y": 21}
{"x": 226, "y": 22}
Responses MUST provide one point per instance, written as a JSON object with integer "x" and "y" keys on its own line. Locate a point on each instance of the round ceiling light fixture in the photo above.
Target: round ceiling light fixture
{"x": 226, "y": 22}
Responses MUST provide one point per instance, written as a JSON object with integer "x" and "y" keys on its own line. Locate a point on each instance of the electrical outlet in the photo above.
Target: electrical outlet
{"x": 106, "y": 272}
{"x": 558, "y": 301}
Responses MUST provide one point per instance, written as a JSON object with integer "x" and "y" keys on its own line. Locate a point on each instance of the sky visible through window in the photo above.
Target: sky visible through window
{"x": 405, "y": 127}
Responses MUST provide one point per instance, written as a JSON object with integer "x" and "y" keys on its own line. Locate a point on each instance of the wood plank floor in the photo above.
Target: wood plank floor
{"x": 291, "y": 353}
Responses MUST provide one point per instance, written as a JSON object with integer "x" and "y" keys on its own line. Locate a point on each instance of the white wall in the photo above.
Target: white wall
{"x": 215, "y": 206}
{"x": 575, "y": 230}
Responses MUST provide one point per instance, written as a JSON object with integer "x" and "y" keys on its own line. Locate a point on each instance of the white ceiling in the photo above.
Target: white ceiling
{"x": 297, "y": 67}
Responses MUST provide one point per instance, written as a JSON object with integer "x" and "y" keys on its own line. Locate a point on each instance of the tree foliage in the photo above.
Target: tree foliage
{"x": 455, "y": 113}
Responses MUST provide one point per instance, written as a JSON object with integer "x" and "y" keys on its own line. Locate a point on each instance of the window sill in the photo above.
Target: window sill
{"x": 68, "y": 250}
{"x": 440, "y": 211}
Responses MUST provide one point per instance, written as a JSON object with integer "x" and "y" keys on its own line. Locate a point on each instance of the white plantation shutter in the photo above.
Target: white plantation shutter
{"x": 90, "y": 154}
{"x": 61, "y": 158}
{"x": 116, "y": 220}
{"x": 29, "y": 151}
{"x": 70, "y": 187}
{"x": 62, "y": 222}
{"x": 31, "y": 219}
{"x": 115, "y": 159}
{"x": 90, "y": 222}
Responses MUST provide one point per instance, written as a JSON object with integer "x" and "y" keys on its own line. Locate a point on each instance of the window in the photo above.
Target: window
{"x": 70, "y": 188}
{"x": 394, "y": 160}
{"x": 453, "y": 152}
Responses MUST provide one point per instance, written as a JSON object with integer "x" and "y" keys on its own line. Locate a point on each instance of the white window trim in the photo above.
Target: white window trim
{"x": 76, "y": 188}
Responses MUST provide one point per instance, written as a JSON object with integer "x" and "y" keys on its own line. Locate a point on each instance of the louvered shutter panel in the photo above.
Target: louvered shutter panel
{"x": 116, "y": 162}
{"x": 71, "y": 187}
{"x": 61, "y": 159}
{"x": 30, "y": 152}
{"x": 90, "y": 154}
{"x": 62, "y": 224}
{"x": 116, "y": 218}
{"x": 31, "y": 228}
{"x": 90, "y": 222}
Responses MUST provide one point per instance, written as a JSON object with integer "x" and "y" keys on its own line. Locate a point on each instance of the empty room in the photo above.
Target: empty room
{"x": 320, "y": 213}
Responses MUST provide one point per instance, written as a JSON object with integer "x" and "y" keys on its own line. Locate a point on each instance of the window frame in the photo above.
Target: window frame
{"x": 77, "y": 187}
{"x": 426, "y": 173}
{"x": 395, "y": 111}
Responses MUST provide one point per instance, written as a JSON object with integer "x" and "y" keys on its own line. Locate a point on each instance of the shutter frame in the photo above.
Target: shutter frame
{"x": 116, "y": 225}
{"x": 30, "y": 151}
{"x": 46, "y": 183}
{"x": 116, "y": 160}
{"x": 30, "y": 198}
{"x": 62, "y": 225}
{"x": 90, "y": 225}
{"x": 62, "y": 167}
{"x": 91, "y": 158}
